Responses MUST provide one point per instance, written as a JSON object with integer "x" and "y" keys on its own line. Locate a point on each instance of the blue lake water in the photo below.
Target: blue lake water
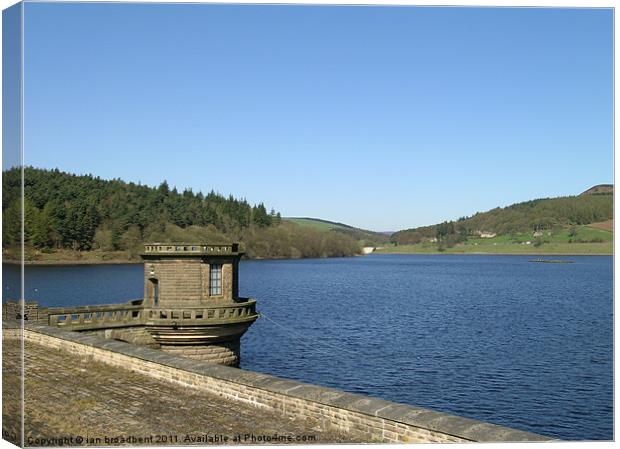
{"x": 496, "y": 338}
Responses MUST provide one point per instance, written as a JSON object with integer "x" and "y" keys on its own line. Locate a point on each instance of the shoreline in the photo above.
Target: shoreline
{"x": 137, "y": 262}
{"x": 404, "y": 253}
{"x": 72, "y": 262}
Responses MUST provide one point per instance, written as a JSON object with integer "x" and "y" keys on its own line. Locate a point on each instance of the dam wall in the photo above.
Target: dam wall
{"x": 374, "y": 420}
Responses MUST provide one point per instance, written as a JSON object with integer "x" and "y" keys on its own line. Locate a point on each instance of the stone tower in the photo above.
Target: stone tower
{"x": 191, "y": 300}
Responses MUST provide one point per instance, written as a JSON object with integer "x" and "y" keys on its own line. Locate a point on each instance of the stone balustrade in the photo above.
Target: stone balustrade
{"x": 96, "y": 317}
{"x": 213, "y": 314}
{"x": 108, "y": 316}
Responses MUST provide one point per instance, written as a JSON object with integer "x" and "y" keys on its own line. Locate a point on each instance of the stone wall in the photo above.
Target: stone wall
{"x": 204, "y": 267}
{"x": 228, "y": 292}
{"x": 179, "y": 280}
{"x": 224, "y": 353}
{"x": 186, "y": 280}
{"x": 138, "y": 335}
{"x": 375, "y": 420}
{"x": 227, "y": 284}
{"x": 12, "y": 311}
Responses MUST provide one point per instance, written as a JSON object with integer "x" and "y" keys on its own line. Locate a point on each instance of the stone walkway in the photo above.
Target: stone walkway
{"x": 81, "y": 402}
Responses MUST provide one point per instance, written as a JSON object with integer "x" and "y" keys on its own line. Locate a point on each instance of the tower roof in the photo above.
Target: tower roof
{"x": 191, "y": 249}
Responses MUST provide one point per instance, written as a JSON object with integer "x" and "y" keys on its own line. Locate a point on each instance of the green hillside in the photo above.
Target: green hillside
{"x": 557, "y": 225}
{"x": 316, "y": 223}
{"x": 365, "y": 237}
{"x": 69, "y": 216}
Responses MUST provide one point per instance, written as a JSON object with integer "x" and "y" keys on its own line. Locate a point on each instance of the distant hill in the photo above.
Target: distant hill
{"x": 601, "y": 189}
{"x": 530, "y": 216}
{"x": 367, "y": 238}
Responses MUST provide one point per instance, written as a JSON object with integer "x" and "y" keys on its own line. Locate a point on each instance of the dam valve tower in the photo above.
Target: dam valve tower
{"x": 191, "y": 300}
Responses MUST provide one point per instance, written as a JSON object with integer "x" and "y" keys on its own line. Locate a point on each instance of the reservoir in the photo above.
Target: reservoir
{"x": 495, "y": 338}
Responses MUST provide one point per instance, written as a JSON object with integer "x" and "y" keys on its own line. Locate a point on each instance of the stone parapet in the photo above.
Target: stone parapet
{"x": 28, "y": 310}
{"x": 131, "y": 314}
{"x": 375, "y": 420}
{"x": 104, "y": 316}
{"x": 231, "y": 249}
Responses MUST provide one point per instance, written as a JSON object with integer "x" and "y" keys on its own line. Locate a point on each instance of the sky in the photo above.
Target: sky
{"x": 384, "y": 118}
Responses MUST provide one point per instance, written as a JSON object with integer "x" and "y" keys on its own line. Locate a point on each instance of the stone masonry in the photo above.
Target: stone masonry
{"x": 13, "y": 310}
{"x": 67, "y": 395}
{"x": 357, "y": 416}
{"x": 180, "y": 313}
{"x": 182, "y": 281}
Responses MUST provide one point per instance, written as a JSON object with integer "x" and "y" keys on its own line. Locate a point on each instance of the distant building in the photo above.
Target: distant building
{"x": 487, "y": 235}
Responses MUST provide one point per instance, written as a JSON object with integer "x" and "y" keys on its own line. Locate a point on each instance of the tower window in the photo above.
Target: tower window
{"x": 215, "y": 280}
{"x": 154, "y": 291}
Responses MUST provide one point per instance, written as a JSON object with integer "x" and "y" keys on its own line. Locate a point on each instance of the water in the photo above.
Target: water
{"x": 495, "y": 338}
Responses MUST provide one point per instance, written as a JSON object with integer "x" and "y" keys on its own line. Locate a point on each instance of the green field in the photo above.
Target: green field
{"x": 583, "y": 234}
{"x": 363, "y": 236}
{"x": 319, "y": 225}
{"x": 584, "y": 241}
{"x": 545, "y": 249}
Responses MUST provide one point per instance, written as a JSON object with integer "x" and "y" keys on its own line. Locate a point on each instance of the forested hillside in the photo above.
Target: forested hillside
{"x": 82, "y": 213}
{"x": 527, "y": 217}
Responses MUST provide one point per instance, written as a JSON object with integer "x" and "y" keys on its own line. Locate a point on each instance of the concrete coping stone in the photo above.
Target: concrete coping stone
{"x": 440, "y": 422}
{"x": 315, "y": 393}
{"x": 275, "y": 384}
{"x": 91, "y": 308}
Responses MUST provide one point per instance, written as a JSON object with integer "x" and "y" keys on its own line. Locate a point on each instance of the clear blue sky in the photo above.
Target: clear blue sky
{"x": 380, "y": 117}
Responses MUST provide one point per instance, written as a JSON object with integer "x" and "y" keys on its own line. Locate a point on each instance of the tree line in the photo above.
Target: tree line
{"x": 84, "y": 212}
{"x": 530, "y": 216}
